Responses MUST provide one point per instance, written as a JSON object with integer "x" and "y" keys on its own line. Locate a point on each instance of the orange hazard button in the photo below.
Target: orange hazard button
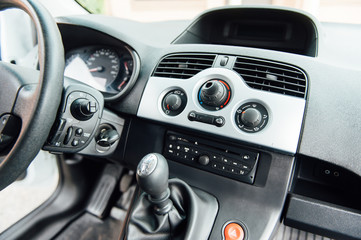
{"x": 233, "y": 231}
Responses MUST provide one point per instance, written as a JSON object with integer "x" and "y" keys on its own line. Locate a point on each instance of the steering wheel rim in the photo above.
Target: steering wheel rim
{"x": 36, "y": 102}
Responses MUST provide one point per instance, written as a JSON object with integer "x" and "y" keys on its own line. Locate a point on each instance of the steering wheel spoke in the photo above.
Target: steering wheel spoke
{"x": 17, "y": 95}
{"x": 10, "y": 126}
{"x": 13, "y": 81}
{"x": 12, "y": 78}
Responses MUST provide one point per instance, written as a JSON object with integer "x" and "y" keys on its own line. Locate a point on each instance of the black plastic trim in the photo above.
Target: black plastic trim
{"x": 323, "y": 218}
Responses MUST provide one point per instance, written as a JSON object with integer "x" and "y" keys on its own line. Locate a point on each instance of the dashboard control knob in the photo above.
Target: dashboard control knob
{"x": 251, "y": 117}
{"x": 204, "y": 160}
{"x": 173, "y": 102}
{"x": 214, "y": 94}
{"x": 83, "y": 109}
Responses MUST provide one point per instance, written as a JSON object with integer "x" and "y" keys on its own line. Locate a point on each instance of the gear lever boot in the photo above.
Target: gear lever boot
{"x": 168, "y": 211}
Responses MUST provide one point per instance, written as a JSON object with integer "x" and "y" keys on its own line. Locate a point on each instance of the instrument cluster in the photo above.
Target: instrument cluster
{"x": 110, "y": 70}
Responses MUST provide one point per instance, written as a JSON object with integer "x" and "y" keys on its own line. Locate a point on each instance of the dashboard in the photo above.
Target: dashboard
{"x": 245, "y": 97}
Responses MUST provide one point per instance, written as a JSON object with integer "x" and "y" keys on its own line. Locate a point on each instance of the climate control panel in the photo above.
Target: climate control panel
{"x": 218, "y": 101}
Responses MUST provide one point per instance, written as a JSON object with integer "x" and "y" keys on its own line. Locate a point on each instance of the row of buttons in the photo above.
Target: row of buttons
{"x": 69, "y": 133}
{"x": 187, "y": 152}
{"x": 205, "y": 118}
{"x": 183, "y": 152}
{"x": 79, "y": 138}
{"x": 185, "y": 156}
{"x": 217, "y": 162}
{"x": 232, "y": 162}
{"x": 230, "y": 169}
{"x": 74, "y": 137}
{"x": 183, "y": 148}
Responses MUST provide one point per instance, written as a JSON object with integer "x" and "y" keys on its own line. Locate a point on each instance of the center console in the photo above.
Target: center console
{"x": 235, "y": 123}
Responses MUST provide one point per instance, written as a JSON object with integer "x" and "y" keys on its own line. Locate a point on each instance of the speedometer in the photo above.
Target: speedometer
{"x": 104, "y": 66}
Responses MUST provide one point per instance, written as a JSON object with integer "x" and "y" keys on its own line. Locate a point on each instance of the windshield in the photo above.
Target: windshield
{"x": 343, "y": 11}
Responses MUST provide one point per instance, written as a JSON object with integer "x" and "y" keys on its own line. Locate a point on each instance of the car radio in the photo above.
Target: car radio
{"x": 235, "y": 163}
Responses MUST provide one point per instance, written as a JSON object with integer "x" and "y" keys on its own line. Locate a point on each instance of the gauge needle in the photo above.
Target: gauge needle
{"x": 121, "y": 85}
{"x": 96, "y": 69}
{"x": 126, "y": 67}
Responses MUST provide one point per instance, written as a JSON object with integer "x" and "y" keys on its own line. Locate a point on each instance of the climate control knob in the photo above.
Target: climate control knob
{"x": 214, "y": 95}
{"x": 251, "y": 117}
{"x": 174, "y": 102}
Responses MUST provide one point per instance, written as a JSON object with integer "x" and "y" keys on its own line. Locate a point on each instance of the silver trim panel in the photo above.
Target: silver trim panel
{"x": 285, "y": 112}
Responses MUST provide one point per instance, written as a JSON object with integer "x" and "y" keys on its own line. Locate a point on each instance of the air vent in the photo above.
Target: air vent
{"x": 183, "y": 66}
{"x": 272, "y": 76}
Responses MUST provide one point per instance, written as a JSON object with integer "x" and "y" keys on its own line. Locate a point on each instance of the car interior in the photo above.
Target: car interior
{"x": 243, "y": 123}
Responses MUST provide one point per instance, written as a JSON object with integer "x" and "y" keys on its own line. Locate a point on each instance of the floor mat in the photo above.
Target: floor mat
{"x": 90, "y": 227}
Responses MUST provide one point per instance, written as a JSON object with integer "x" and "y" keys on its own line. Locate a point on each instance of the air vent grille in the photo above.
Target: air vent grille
{"x": 272, "y": 76}
{"x": 183, "y": 66}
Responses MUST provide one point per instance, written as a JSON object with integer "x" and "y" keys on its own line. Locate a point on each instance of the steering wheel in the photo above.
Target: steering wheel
{"x": 29, "y": 99}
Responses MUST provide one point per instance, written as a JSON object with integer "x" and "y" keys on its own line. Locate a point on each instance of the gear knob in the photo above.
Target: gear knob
{"x": 152, "y": 177}
{"x": 152, "y": 174}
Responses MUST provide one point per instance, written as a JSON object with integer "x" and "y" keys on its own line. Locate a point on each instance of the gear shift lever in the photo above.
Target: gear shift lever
{"x": 152, "y": 177}
{"x": 164, "y": 212}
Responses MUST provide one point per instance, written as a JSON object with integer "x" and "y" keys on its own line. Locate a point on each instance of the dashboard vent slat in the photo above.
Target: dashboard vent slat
{"x": 183, "y": 66}
{"x": 272, "y": 76}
